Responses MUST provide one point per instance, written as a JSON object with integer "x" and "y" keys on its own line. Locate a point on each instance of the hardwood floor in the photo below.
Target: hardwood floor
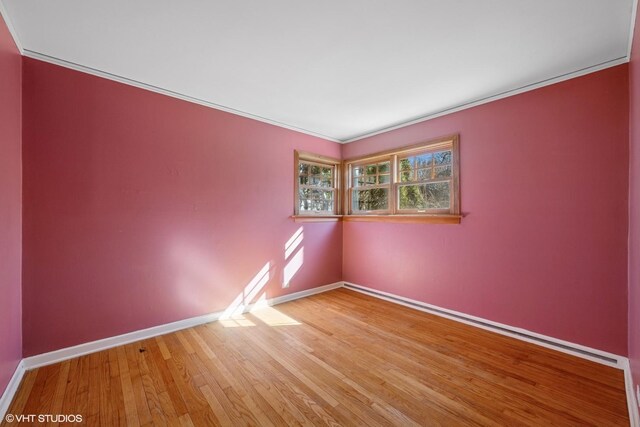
{"x": 337, "y": 358}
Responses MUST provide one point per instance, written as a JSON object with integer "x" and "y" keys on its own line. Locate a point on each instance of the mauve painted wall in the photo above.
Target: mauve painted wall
{"x": 10, "y": 206}
{"x": 544, "y": 187}
{"x": 140, "y": 209}
{"x": 634, "y": 205}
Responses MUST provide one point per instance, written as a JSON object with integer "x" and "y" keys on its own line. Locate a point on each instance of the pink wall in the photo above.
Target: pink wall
{"x": 10, "y": 206}
{"x": 544, "y": 188}
{"x": 634, "y": 205}
{"x": 140, "y": 209}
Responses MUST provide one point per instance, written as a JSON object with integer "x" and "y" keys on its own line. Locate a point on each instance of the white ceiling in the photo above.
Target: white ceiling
{"x": 338, "y": 68}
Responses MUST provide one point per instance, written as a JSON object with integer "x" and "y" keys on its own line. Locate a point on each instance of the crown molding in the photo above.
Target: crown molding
{"x": 632, "y": 26}
{"x": 11, "y": 27}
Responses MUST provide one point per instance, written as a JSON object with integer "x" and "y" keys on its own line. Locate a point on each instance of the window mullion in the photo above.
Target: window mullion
{"x": 394, "y": 180}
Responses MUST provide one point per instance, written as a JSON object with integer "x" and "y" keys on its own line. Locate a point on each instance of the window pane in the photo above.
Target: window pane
{"x": 315, "y": 200}
{"x": 371, "y": 199}
{"x": 371, "y": 174}
{"x": 383, "y": 167}
{"x": 315, "y": 175}
{"x": 406, "y": 164}
{"x": 322, "y": 205}
{"x": 443, "y": 171}
{"x": 422, "y": 164}
{"x": 423, "y": 160}
{"x": 424, "y": 174}
{"x": 313, "y": 205}
{"x": 442, "y": 158}
{"x": 327, "y": 172}
{"x": 319, "y": 194}
{"x": 424, "y": 196}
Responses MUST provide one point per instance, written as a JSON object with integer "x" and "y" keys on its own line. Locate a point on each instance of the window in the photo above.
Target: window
{"x": 419, "y": 183}
{"x": 420, "y": 180}
{"x": 371, "y": 184}
{"x": 316, "y": 185}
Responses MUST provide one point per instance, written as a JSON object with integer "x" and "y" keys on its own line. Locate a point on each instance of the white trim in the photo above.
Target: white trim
{"x": 12, "y": 29}
{"x": 632, "y": 403}
{"x": 567, "y": 347}
{"x": 303, "y": 294}
{"x": 104, "y": 344}
{"x": 120, "y": 79}
{"x": 12, "y": 388}
{"x": 634, "y": 11}
{"x": 491, "y": 98}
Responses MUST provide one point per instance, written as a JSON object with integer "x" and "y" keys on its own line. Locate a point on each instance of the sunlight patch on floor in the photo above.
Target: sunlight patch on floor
{"x": 273, "y": 317}
{"x": 238, "y": 321}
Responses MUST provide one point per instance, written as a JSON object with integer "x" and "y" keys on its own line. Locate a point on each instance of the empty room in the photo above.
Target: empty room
{"x": 343, "y": 213}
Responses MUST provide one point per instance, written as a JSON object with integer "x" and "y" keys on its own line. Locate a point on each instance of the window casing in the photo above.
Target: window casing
{"x": 317, "y": 180}
{"x": 417, "y": 180}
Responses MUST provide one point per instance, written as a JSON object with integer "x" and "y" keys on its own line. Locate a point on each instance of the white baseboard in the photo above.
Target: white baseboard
{"x": 12, "y": 388}
{"x": 567, "y": 347}
{"x": 107, "y": 343}
{"x": 632, "y": 402}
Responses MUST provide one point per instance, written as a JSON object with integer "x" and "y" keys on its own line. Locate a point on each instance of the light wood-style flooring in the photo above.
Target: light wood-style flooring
{"x": 337, "y": 358}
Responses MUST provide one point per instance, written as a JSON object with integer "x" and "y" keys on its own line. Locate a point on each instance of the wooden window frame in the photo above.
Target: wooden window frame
{"x": 336, "y": 164}
{"x": 394, "y": 214}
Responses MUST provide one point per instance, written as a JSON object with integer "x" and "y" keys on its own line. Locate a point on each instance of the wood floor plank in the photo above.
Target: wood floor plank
{"x": 216, "y": 406}
{"x": 131, "y": 410}
{"x": 58, "y": 395}
{"x": 93, "y": 391}
{"x": 345, "y": 358}
{"x": 137, "y": 386}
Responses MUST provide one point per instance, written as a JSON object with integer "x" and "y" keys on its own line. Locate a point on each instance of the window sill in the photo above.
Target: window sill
{"x": 417, "y": 219}
{"x": 317, "y": 218}
{"x": 424, "y": 219}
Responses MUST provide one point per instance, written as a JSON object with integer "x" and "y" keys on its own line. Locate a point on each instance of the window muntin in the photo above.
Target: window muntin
{"x": 317, "y": 181}
{"x": 417, "y": 180}
{"x": 371, "y": 185}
